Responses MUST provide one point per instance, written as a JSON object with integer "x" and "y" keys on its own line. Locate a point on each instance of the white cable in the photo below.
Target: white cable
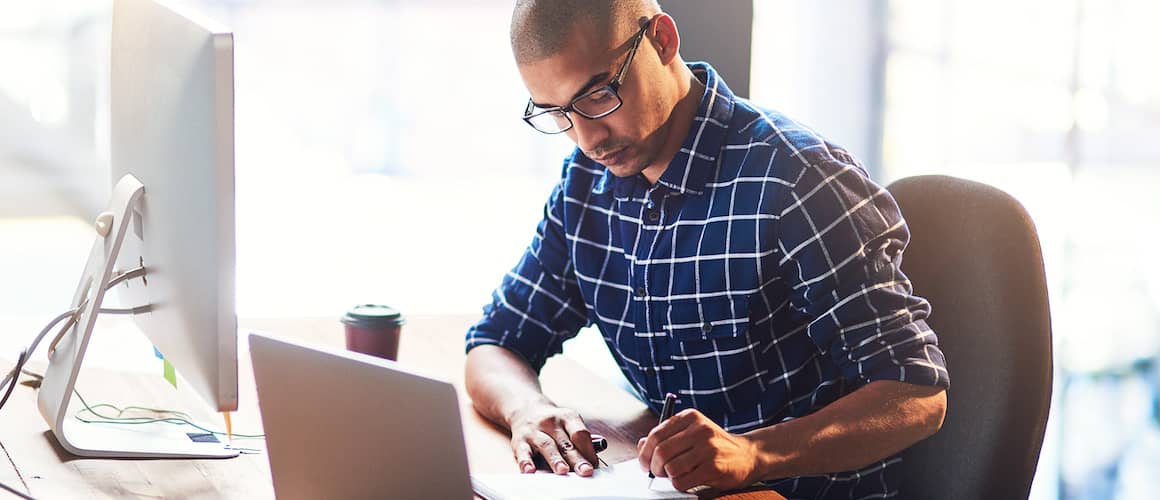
{"x": 136, "y": 272}
{"x": 127, "y": 312}
{"x": 71, "y": 313}
{"x": 63, "y": 316}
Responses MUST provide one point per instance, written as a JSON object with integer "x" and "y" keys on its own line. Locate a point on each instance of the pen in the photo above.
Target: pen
{"x": 666, "y": 412}
{"x": 599, "y": 443}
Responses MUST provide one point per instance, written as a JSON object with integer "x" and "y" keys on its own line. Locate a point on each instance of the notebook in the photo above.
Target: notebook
{"x": 624, "y": 480}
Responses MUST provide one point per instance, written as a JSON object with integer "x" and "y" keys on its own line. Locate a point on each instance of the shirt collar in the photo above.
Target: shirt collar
{"x": 690, "y": 169}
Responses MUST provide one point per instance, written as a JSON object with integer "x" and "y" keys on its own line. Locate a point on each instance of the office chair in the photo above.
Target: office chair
{"x": 974, "y": 254}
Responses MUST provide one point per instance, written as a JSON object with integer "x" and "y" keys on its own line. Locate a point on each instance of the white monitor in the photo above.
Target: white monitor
{"x": 172, "y": 212}
{"x": 172, "y": 127}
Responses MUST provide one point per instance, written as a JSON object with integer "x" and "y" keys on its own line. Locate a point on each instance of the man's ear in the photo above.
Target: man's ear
{"x": 665, "y": 38}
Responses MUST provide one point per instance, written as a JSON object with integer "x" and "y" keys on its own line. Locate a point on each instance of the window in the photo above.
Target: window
{"x": 1057, "y": 103}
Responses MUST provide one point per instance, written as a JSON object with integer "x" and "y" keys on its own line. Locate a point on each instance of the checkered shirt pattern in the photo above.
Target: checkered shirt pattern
{"x": 758, "y": 279}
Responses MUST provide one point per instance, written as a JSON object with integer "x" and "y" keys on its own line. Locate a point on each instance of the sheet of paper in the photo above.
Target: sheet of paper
{"x": 624, "y": 480}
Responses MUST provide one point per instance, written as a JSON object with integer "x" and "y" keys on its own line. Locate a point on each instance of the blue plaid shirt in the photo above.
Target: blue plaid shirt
{"x": 758, "y": 279}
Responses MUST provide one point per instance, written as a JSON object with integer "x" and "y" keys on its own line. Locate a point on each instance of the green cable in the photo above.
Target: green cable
{"x": 181, "y": 419}
{"x": 121, "y": 412}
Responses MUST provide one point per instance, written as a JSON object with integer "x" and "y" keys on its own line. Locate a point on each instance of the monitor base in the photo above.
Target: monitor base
{"x": 158, "y": 440}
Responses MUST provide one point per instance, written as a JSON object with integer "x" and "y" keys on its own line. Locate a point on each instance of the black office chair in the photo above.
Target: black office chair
{"x": 974, "y": 254}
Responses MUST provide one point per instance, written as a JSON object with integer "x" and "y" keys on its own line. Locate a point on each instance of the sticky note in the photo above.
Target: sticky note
{"x": 169, "y": 373}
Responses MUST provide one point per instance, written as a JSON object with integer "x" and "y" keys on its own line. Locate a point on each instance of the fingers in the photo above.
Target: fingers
{"x": 544, "y": 444}
{"x": 687, "y": 467}
{"x": 523, "y": 454}
{"x": 704, "y": 455}
{"x": 571, "y": 452}
{"x": 641, "y": 458}
{"x": 558, "y": 435}
{"x": 581, "y": 438}
{"x": 646, "y": 448}
{"x": 694, "y": 479}
{"x": 680, "y": 464}
{"x": 672, "y": 447}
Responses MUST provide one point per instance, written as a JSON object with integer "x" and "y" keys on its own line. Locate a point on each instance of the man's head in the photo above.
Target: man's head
{"x": 567, "y": 49}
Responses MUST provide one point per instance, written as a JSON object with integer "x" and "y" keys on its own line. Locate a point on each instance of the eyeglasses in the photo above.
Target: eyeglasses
{"x": 595, "y": 104}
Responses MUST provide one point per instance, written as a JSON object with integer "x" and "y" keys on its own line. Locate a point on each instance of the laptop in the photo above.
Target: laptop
{"x": 346, "y": 425}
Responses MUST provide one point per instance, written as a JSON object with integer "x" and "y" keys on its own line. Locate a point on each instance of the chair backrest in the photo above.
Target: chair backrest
{"x": 974, "y": 254}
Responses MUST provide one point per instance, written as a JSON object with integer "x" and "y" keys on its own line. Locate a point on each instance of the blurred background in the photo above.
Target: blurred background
{"x": 381, "y": 158}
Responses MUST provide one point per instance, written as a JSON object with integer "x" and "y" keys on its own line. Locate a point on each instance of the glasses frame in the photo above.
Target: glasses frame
{"x": 613, "y": 86}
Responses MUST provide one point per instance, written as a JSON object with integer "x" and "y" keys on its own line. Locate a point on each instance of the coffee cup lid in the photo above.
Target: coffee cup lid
{"x": 373, "y": 315}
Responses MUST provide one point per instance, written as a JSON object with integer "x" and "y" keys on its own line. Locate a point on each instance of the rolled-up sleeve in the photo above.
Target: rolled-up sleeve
{"x": 538, "y": 304}
{"x": 841, "y": 239}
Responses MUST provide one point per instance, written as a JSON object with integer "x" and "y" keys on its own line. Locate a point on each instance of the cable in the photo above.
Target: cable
{"x": 19, "y": 366}
{"x": 136, "y": 272}
{"x": 24, "y": 355}
{"x": 76, "y": 317}
{"x": 181, "y": 418}
{"x": 14, "y": 491}
{"x": 73, "y": 316}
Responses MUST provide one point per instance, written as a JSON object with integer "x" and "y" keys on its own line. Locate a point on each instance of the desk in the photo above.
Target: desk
{"x": 31, "y": 457}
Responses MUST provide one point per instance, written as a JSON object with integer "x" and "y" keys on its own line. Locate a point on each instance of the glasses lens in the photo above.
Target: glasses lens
{"x": 552, "y": 122}
{"x": 598, "y": 103}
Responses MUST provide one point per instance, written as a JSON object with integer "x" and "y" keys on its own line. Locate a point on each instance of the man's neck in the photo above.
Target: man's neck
{"x": 682, "y": 119}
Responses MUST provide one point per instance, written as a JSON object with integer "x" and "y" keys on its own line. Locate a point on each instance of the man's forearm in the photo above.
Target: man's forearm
{"x": 500, "y": 383}
{"x": 869, "y": 424}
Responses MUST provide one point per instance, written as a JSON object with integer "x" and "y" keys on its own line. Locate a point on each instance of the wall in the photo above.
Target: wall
{"x": 719, "y": 32}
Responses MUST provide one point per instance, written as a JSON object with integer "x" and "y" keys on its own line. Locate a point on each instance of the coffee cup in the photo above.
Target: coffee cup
{"x": 373, "y": 329}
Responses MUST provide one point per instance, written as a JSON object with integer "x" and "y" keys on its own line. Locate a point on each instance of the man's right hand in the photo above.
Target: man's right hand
{"x": 506, "y": 390}
{"x": 557, "y": 434}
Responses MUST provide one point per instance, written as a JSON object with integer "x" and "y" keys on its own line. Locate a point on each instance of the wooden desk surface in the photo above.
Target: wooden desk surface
{"x": 30, "y": 457}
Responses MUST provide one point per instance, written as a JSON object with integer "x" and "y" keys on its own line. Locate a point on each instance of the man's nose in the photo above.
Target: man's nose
{"x": 587, "y": 133}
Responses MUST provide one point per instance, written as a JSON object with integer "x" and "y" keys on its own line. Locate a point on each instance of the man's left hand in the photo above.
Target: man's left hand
{"x": 693, "y": 451}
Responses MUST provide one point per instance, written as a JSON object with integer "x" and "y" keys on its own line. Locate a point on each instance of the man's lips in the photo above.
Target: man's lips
{"x": 614, "y": 155}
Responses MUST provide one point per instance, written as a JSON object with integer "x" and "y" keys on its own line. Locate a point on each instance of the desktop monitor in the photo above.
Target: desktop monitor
{"x": 172, "y": 213}
{"x": 172, "y": 127}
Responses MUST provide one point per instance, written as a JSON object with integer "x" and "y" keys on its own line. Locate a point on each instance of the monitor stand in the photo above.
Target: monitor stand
{"x": 94, "y": 439}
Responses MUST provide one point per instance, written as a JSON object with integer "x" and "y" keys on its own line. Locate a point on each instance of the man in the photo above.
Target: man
{"x": 727, "y": 255}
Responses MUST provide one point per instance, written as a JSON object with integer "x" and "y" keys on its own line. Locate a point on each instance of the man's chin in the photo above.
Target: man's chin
{"x": 626, "y": 170}
{"x": 625, "y": 166}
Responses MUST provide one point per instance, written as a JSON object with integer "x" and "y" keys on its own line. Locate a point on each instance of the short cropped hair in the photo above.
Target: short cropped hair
{"x": 540, "y": 28}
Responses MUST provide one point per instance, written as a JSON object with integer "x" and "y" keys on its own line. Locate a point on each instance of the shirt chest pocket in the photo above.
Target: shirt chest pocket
{"x": 713, "y": 318}
{"x": 710, "y": 341}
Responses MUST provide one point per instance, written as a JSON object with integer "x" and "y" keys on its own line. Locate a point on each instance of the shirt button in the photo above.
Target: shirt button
{"x": 654, "y": 216}
{"x": 650, "y": 371}
{"x": 641, "y": 292}
{"x": 651, "y": 204}
{"x": 706, "y": 327}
